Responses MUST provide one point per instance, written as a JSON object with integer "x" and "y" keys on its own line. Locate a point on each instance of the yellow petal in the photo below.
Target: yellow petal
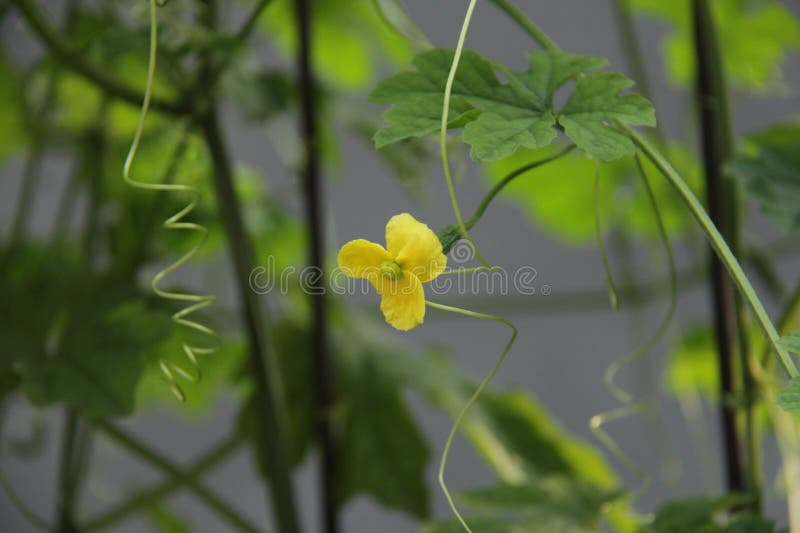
{"x": 362, "y": 259}
{"x": 402, "y": 301}
{"x": 415, "y": 247}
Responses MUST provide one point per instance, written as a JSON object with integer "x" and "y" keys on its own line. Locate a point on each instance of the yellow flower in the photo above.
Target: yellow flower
{"x": 413, "y": 256}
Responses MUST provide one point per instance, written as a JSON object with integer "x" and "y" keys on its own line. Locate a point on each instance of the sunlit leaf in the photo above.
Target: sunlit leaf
{"x": 165, "y": 520}
{"x": 693, "y": 364}
{"x": 755, "y": 38}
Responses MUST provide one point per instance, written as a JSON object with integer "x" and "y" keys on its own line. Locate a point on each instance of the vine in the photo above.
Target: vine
{"x": 170, "y": 370}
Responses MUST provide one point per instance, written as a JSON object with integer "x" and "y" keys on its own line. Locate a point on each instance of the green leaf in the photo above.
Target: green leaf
{"x": 499, "y": 118}
{"x": 692, "y": 365}
{"x": 559, "y": 196}
{"x": 694, "y": 514}
{"x": 484, "y": 524}
{"x": 791, "y": 342}
{"x": 378, "y": 431}
{"x": 11, "y": 130}
{"x": 768, "y": 164}
{"x": 591, "y": 108}
{"x": 394, "y": 13}
{"x": 164, "y": 520}
{"x": 577, "y": 502}
{"x": 755, "y": 39}
{"x": 749, "y": 522}
{"x": 372, "y": 418}
{"x": 788, "y": 398}
{"x": 100, "y": 319}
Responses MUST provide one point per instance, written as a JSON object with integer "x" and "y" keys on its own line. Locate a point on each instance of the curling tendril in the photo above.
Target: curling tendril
{"x": 172, "y": 371}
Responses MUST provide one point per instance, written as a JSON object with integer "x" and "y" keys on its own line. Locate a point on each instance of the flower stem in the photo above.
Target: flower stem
{"x": 464, "y": 232}
{"x": 472, "y": 399}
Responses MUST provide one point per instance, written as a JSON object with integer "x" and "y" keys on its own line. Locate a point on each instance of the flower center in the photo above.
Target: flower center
{"x": 390, "y": 269}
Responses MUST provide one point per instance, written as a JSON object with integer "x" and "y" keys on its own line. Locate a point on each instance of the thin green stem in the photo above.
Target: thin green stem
{"x": 452, "y": 233}
{"x": 526, "y": 24}
{"x": 443, "y": 131}
{"x": 472, "y": 399}
{"x": 500, "y": 185}
{"x": 718, "y": 244}
{"x": 598, "y": 232}
{"x": 631, "y": 405}
{"x": 155, "y": 459}
{"x": 147, "y": 497}
{"x": 74, "y": 60}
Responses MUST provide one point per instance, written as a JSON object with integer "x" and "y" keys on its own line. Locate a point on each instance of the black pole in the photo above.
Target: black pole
{"x": 322, "y": 370}
{"x": 716, "y": 146}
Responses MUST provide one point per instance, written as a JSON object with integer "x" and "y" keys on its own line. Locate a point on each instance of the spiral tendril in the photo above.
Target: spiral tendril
{"x": 630, "y": 405}
{"x": 170, "y": 370}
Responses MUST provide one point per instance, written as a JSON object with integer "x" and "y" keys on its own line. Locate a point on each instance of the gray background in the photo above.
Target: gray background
{"x": 560, "y": 357}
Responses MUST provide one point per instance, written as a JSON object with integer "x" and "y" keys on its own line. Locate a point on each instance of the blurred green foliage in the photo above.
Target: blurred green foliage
{"x": 755, "y": 38}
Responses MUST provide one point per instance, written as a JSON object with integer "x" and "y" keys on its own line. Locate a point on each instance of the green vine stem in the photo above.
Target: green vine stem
{"x": 613, "y": 295}
{"x": 475, "y": 395}
{"x": 632, "y": 406}
{"x": 146, "y": 497}
{"x": 152, "y": 457}
{"x": 464, "y": 232}
{"x": 526, "y": 24}
{"x": 449, "y": 235}
{"x": 719, "y": 245}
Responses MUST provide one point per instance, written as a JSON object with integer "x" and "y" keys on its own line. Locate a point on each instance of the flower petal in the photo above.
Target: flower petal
{"x": 402, "y": 301}
{"x": 415, "y": 247}
{"x": 362, "y": 259}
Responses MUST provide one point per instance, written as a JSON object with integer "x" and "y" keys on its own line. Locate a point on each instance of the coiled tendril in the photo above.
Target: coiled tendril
{"x": 630, "y": 405}
{"x": 170, "y": 370}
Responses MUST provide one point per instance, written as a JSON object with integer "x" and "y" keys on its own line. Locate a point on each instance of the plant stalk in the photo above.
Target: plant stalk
{"x": 741, "y": 452}
{"x": 264, "y": 366}
{"x": 149, "y": 455}
{"x": 323, "y": 376}
{"x": 146, "y": 497}
{"x": 75, "y": 61}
